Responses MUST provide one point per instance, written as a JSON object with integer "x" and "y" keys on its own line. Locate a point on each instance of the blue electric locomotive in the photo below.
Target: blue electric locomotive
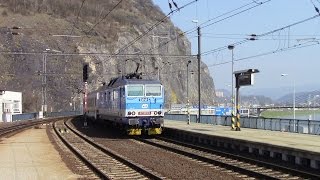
{"x": 133, "y": 103}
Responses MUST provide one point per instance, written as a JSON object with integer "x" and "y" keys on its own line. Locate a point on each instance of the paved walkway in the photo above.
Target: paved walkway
{"x": 30, "y": 155}
{"x": 305, "y": 142}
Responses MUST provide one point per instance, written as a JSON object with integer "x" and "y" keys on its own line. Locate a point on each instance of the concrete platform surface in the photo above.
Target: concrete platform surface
{"x": 305, "y": 142}
{"x": 30, "y": 155}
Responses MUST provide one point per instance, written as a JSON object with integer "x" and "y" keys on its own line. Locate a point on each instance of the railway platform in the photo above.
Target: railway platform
{"x": 30, "y": 155}
{"x": 300, "y": 149}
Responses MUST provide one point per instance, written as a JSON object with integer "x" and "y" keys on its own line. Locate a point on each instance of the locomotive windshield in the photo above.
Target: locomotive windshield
{"x": 153, "y": 90}
{"x": 136, "y": 90}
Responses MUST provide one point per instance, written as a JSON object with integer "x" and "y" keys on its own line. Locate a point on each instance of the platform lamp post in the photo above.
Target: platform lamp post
{"x": 231, "y": 47}
{"x": 293, "y": 102}
{"x": 44, "y": 82}
{"x": 199, "y": 68}
{"x": 44, "y": 106}
{"x": 188, "y": 102}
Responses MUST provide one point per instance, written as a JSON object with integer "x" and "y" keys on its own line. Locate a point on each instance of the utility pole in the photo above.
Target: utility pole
{"x": 237, "y": 107}
{"x": 44, "y": 84}
{"x": 294, "y": 99}
{"x": 199, "y": 77}
{"x": 231, "y": 47}
{"x": 188, "y": 102}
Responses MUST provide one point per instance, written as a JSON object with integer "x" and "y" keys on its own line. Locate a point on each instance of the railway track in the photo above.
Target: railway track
{"x": 104, "y": 162}
{"x": 243, "y": 165}
{"x": 13, "y": 129}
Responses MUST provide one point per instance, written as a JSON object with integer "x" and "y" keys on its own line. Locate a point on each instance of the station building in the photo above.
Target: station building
{"x": 10, "y": 104}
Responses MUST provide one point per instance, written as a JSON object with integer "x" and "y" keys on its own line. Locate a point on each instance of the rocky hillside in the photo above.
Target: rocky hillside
{"x": 51, "y": 27}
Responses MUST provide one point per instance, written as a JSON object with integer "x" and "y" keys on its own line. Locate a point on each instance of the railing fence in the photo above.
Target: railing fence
{"x": 31, "y": 116}
{"x": 272, "y": 124}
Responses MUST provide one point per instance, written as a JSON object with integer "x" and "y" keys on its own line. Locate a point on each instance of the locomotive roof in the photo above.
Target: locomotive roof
{"x": 120, "y": 81}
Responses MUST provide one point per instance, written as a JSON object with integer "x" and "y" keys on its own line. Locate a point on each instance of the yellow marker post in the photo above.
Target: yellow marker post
{"x": 237, "y": 107}
{"x": 238, "y": 118}
{"x": 233, "y": 121}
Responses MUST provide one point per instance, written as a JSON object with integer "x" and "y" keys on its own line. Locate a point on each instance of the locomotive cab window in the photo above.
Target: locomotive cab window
{"x": 153, "y": 90}
{"x": 136, "y": 90}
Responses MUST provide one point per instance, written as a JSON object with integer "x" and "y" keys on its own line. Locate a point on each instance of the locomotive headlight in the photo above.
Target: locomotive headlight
{"x": 129, "y": 113}
{"x": 133, "y": 113}
{"x": 155, "y": 113}
{"x": 159, "y": 112}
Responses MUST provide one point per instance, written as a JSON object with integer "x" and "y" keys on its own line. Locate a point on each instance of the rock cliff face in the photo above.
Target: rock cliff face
{"x": 49, "y": 28}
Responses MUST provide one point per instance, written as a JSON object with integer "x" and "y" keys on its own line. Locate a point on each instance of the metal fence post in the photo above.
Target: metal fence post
{"x": 279, "y": 124}
{"x": 308, "y": 126}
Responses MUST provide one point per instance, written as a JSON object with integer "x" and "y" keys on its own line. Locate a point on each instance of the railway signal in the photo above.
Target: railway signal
{"x": 85, "y": 72}
{"x": 85, "y": 75}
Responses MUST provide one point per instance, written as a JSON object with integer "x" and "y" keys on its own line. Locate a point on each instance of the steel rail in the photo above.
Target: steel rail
{"x": 139, "y": 168}
{"x": 246, "y": 159}
{"x": 220, "y": 162}
{"x": 80, "y": 156}
{"x": 16, "y": 128}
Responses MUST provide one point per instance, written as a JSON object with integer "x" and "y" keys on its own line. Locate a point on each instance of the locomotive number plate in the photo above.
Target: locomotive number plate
{"x": 144, "y": 113}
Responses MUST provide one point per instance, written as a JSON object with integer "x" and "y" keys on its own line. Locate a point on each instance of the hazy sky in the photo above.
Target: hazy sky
{"x": 302, "y": 64}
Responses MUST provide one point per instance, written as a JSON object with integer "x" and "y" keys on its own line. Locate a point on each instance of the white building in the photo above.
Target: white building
{"x": 219, "y": 94}
{"x": 10, "y": 103}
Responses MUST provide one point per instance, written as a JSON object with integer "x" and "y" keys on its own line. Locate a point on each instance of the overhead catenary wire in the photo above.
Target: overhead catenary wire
{"x": 124, "y": 54}
{"x": 67, "y": 74}
{"x": 153, "y": 26}
{"x": 91, "y": 53}
{"x": 315, "y": 7}
{"x": 260, "y": 39}
{"x": 77, "y": 18}
{"x": 215, "y": 22}
{"x": 249, "y": 35}
{"x": 261, "y": 35}
{"x": 298, "y": 46}
{"x": 102, "y": 19}
{"x": 105, "y": 16}
{"x": 259, "y": 4}
{"x": 303, "y": 45}
{"x": 255, "y": 1}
